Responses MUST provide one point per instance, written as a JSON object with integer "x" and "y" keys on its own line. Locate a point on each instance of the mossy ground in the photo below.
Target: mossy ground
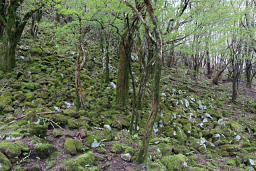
{"x": 197, "y": 128}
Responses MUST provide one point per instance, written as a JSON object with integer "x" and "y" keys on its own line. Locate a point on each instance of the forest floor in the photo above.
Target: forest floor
{"x": 198, "y": 128}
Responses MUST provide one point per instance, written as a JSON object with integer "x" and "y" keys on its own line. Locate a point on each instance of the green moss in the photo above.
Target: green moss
{"x": 57, "y": 132}
{"x": 231, "y": 162}
{"x": 235, "y": 126}
{"x": 38, "y": 130}
{"x": 29, "y": 96}
{"x": 72, "y": 146}
{"x": 80, "y": 163}
{"x": 5, "y": 163}
{"x": 174, "y": 162}
{"x": 157, "y": 166}
{"x": 230, "y": 147}
{"x": 90, "y": 138}
{"x": 116, "y": 147}
{"x": 11, "y": 149}
{"x": 101, "y": 150}
{"x": 28, "y": 86}
{"x": 36, "y": 51}
{"x": 44, "y": 150}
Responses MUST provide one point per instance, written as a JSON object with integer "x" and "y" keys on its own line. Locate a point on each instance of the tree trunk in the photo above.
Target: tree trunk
{"x": 235, "y": 82}
{"x": 248, "y": 72}
{"x": 107, "y": 63}
{"x": 123, "y": 71}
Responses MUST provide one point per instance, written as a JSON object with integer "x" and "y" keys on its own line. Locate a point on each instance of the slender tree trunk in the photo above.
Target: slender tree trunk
{"x": 235, "y": 82}
{"x": 123, "y": 71}
{"x": 248, "y": 72}
{"x": 107, "y": 63}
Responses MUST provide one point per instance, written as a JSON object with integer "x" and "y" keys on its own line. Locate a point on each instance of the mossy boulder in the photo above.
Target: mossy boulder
{"x": 57, "y": 132}
{"x": 36, "y": 51}
{"x": 5, "y": 164}
{"x": 44, "y": 150}
{"x": 72, "y": 146}
{"x": 235, "y": 126}
{"x": 12, "y": 150}
{"x": 117, "y": 147}
{"x": 28, "y": 86}
{"x": 90, "y": 138}
{"x": 38, "y": 130}
{"x": 174, "y": 162}
{"x": 80, "y": 163}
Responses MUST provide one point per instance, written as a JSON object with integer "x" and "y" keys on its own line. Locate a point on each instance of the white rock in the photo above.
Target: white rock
{"x": 113, "y": 85}
{"x": 205, "y": 120}
{"x": 221, "y": 122}
{"x": 138, "y": 128}
{"x": 238, "y": 137}
{"x": 126, "y": 157}
{"x": 201, "y": 125}
{"x": 186, "y": 103}
{"x": 37, "y": 122}
{"x": 174, "y": 116}
{"x": 62, "y": 76}
{"x": 107, "y": 127}
{"x": 180, "y": 92}
{"x": 163, "y": 94}
{"x": 95, "y": 144}
{"x": 57, "y": 108}
{"x": 174, "y": 133}
{"x": 251, "y": 162}
{"x": 1, "y": 165}
{"x": 217, "y": 135}
{"x": 68, "y": 104}
{"x": 208, "y": 115}
{"x": 155, "y": 127}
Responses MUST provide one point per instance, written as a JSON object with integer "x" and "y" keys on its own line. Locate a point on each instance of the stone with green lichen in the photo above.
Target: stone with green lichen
{"x": 57, "y": 132}
{"x": 235, "y": 126}
{"x": 38, "y": 130}
{"x": 116, "y": 147}
{"x": 74, "y": 124}
{"x": 181, "y": 136}
{"x": 11, "y": 149}
{"x": 4, "y": 163}
{"x": 35, "y": 167}
{"x": 44, "y": 150}
{"x": 90, "y": 138}
{"x": 157, "y": 166}
{"x": 230, "y": 147}
{"x": 174, "y": 162}
{"x": 28, "y": 86}
{"x": 72, "y": 146}
{"x": 19, "y": 168}
{"x": 36, "y": 51}
{"x": 231, "y": 162}
{"x": 4, "y": 101}
{"x": 196, "y": 169}
{"x": 101, "y": 150}
{"x": 80, "y": 163}
{"x": 29, "y": 96}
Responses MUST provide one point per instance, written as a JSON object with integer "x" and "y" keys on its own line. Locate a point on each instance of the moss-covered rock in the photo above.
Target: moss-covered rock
{"x": 44, "y": 150}
{"x": 72, "y": 146}
{"x": 28, "y": 86}
{"x": 174, "y": 162}
{"x": 12, "y": 150}
{"x": 57, "y": 132}
{"x": 116, "y": 147}
{"x": 38, "y": 130}
{"x": 235, "y": 126}
{"x": 5, "y": 164}
{"x": 80, "y": 163}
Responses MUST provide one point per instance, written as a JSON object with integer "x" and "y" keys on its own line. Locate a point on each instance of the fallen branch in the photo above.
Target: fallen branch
{"x": 51, "y": 121}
